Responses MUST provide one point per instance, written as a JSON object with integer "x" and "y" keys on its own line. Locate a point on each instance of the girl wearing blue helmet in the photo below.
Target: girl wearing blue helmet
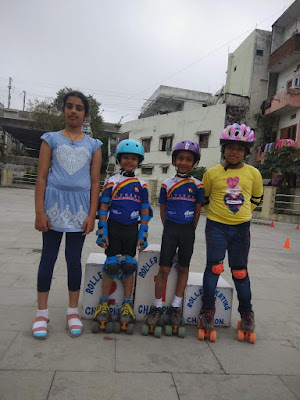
{"x": 123, "y": 205}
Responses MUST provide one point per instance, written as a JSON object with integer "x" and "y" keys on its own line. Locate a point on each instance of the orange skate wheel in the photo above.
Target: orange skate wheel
{"x": 239, "y": 325}
{"x": 213, "y": 336}
{"x": 252, "y": 337}
{"x": 201, "y": 334}
{"x": 240, "y": 335}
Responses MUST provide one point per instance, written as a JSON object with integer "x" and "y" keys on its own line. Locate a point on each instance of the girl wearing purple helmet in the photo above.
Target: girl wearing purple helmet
{"x": 180, "y": 201}
{"x": 232, "y": 191}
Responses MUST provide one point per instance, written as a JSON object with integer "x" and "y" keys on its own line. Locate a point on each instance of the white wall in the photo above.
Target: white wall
{"x": 184, "y": 125}
{"x": 238, "y": 81}
{"x": 285, "y": 76}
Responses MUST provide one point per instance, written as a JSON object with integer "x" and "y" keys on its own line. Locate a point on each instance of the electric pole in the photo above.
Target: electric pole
{"x": 9, "y": 89}
{"x": 24, "y": 97}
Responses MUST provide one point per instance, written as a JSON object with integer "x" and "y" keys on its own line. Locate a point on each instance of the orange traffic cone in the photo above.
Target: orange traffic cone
{"x": 287, "y": 244}
{"x": 297, "y": 227}
{"x": 272, "y": 225}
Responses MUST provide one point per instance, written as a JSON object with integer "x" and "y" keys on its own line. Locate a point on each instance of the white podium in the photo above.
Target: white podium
{"x": 92, "y": 289}
{"x": 145, "y": 282}
{"x": 192, "y": 301}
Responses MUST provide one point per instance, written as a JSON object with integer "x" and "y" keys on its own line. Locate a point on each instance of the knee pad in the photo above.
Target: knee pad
{"x": 217, "y": 269}
{"x": 111, "y": 266}
{"x": 239, "y": 273}
{"x": 128, "y": 266}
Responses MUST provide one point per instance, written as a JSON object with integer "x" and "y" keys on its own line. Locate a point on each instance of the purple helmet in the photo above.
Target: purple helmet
{"x": 188, "y": 145}
{"x": 238, "y": 133}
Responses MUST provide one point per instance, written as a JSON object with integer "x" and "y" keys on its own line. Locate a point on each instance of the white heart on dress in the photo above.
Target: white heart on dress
{"x": 72, "y": 160}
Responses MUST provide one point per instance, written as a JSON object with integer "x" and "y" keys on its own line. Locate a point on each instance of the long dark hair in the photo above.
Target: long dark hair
{"x": 81, "y": 96}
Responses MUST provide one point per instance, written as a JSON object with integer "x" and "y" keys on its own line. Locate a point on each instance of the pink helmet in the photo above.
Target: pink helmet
{"x": 188, "y": 145}
{"x": 238, "y": 133}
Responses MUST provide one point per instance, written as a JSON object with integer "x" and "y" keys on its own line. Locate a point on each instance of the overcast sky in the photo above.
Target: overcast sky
{"x": 120, "y": 51}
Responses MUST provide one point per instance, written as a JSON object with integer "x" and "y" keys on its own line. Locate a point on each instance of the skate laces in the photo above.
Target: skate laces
{"x": 154, "y": 312}
{"x": 208, "y": 314}
{"x": 127, "y": 309}
{"x": 175, "y": 312}
{"x": 102, "y": 308}
{"x": 247, "y": 317}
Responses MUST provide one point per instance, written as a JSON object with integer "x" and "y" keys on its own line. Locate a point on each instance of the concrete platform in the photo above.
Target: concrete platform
{"x": 110, "y": 366}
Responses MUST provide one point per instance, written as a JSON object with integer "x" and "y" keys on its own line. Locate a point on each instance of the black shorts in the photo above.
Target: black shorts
{"x": 122, "y": 238}
{"x": 177, "y": 236}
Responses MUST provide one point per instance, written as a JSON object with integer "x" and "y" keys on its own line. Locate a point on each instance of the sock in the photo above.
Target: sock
{"x": 39, "y": 328}
{"x": 42, "y": 313}
{"x": 104, "y": 298}
{"x": 74, "y": 323}
{"x": 157, "y": 303}
{"x": 177, "y": 301}
{"x": 127, "y": 299}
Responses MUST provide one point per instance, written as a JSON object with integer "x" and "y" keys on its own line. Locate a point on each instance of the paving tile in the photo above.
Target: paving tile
{"x": 113, "y": 386}
{"x": 25, "y": 385}
{"x": 165, "y": 354}
{"x": 233, "y": 387}
{"x": 9, "y": 279}
{"x": 6, "y": 339}
{"x": 264, "y": 357}
{"x": 60, "y": 352}
{"x": 293, "y": 383}
{"x": 16, "y": 296}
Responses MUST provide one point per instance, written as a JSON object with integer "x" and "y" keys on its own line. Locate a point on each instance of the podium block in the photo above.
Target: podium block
{"x": 145, "y": 282}
{"x": 92, "y": 289}
{"x": 192, "y": 301}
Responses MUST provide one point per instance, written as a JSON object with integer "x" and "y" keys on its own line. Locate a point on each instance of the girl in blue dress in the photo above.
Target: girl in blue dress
{"x": 66, "y": 200}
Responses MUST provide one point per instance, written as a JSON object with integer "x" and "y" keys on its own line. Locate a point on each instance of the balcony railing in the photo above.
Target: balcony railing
{"x": 288, "y": 48}
{"x": 288, "y": 100}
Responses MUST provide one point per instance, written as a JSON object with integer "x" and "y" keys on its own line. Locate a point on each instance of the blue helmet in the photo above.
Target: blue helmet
{"x": 130, "y": 146}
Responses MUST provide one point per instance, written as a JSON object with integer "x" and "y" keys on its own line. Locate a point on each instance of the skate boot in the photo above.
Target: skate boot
{"x": 102, "y": 318}
{"x": 206, "y": 324}
{"x": 175, "y": 324}
{"x": 153, "y": 322}
{"x": 246, "y": 327}
{"x": 127, "y": 319}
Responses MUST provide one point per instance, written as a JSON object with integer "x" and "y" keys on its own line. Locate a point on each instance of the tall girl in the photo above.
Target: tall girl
{"x": 66, "y": 200}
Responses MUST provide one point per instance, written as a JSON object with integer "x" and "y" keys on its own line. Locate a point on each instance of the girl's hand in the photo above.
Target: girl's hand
{"x": 42, "y": 223}
{"x": 88, "y": 225}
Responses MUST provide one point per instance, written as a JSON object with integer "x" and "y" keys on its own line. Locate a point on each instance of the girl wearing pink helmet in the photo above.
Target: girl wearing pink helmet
{"x": 232, "y": 191}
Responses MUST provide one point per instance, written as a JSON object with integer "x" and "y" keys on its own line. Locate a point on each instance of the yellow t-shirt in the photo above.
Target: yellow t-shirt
{"x": 233, "y": 194}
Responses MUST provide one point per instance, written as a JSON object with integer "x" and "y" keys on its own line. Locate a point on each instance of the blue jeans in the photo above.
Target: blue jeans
{"x": 51, "y": 244}
{"x": 236, "y": 240}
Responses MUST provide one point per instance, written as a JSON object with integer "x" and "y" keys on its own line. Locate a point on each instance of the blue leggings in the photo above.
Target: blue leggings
{"x": 235, "y": 239}
{"x": 51, "y": 244}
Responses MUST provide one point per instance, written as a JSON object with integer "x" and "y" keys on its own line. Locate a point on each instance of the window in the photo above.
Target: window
{"x": 293, "y": 116}
{"x": 297, "y": 81}
{"x": 165, "y": 143}
{"x": 289, "y": 132}
{"x": 146, "y": 143}
{"x": 203, "y": 139}
{"x": 289, "y": 84}
{"x": 147, "y": 169}
{"x": 164, "y": 168}
{"x": 113, "y": 145}
{"x": 259, "y": 53}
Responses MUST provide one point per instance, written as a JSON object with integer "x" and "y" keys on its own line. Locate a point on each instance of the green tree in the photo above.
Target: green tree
{"x": 198, "y": 172}
{"x": 285, "y": 161}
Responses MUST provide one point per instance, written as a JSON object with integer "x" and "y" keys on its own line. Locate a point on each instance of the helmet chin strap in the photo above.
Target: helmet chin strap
{"x": 231, "y": 165}
{"x": 126, "y": 173}
{"x": 182, "y": 175}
